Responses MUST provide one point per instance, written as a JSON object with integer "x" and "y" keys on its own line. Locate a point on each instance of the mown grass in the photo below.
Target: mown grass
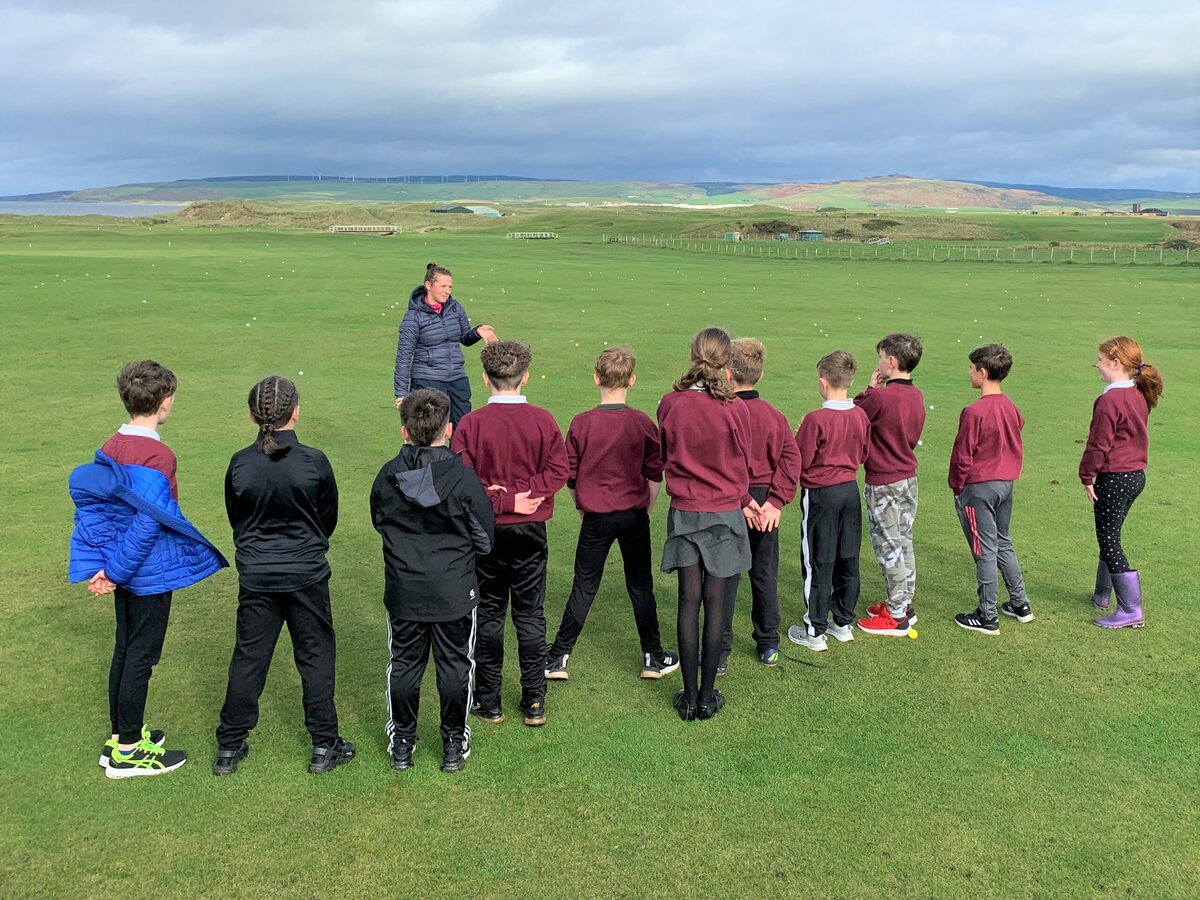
{"x": 1055, "y": 760}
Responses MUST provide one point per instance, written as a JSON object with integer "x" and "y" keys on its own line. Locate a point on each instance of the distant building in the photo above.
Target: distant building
{"x": 468, "y": 210}
{"x": 1153, "y": 211}
{"x": 1137, "y": 208}
{"x": 810, "y": 235}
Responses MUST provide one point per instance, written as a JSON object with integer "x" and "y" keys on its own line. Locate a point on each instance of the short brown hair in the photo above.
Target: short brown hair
{"x": 505, "y": 362}
{"x": 746, "y": 360}
{"x": 907, "y": 349}
{"x": 425, "y": 414}
{"x": 144, "y": 385}
{"x": 993, "y": 359}
{"x": 837, "y": 368}
{"x": 614, "y": 367}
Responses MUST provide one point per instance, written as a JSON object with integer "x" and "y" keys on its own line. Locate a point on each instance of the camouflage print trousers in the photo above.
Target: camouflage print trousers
{"x": 891, "y": 511}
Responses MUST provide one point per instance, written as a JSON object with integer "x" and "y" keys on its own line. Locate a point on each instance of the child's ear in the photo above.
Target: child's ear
{"x": 596, "y": 379}
{"x": 632, "y": 380}
{"x": 525, "y": 378}
{"x": 295, "y": 417}
{"x": 486, "y": 381}
{"x": 404, "y": 435}
{"x": 449, "y": 431}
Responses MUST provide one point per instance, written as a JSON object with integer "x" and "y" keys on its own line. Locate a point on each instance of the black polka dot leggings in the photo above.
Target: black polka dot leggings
{"x": 1115, "y": 493}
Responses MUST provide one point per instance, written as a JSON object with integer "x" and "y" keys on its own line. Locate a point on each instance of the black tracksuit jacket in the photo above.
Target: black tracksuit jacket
{"x": 283, "y": 510}
{"x": 435, "y": 517}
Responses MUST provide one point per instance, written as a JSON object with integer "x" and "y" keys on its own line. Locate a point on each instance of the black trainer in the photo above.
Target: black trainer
{"x": 656, "y": 665}
{"x": 227, "y": 761}
{"x": 534, "y": 711}
{"x": 326, "y": 759}
{"x": 722, "y": 666}
{"x": 147, "y": 758}
{"x": 1021, "y": 613}
{"x": 402, "y": 753}
{"x": 687, "y": 711}
{"x": 454, "y": 756}
{"x": 976, "y": 622}
{"x": 556, "y": 667}
{"x": 154, "y": 736}
{"x": 709, "y": 708}
{"x": 492, "y": 713}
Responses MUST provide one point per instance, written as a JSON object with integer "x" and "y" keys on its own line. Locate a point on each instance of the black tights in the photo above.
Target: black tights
{"x": 1115, "y": 493}
{"x": 695, "y": 587}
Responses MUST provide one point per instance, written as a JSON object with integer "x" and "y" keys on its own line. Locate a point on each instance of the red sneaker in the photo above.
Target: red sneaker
{"x": 883, "y": 623}
{"x": 879, "y": 609}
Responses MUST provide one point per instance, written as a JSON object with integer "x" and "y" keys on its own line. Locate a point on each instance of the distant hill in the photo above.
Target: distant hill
{"x": 882, "y": 192}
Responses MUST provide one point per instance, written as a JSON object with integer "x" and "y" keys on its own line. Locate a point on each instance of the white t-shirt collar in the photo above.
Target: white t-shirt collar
{"x": 838, "y": 404}
{"x": 140, "y": 431}
{"x": 508, "y": 398}
{"x": 1117, "y": 384}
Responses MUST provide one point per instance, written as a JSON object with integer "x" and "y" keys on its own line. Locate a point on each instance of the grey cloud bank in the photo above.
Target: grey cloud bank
{"x": 1089, "y": 94}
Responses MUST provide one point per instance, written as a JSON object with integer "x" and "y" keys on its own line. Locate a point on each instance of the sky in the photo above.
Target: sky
{"x": 1084, "y": 94}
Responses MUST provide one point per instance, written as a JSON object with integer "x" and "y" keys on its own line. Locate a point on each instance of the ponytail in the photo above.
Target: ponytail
{"x": 272, "y": 402}
{"x": 710, "y": 354}
{"x": 1146, "y": 378}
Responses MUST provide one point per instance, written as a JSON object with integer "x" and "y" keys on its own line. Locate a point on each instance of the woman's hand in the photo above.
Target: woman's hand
{"x": 488, "y": 333}
{"x": 399, "y": 400}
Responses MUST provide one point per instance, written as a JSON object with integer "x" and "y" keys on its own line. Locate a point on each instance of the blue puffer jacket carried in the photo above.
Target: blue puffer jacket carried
{"x": 428, "y": 346}
{"x": 128, "y": 524}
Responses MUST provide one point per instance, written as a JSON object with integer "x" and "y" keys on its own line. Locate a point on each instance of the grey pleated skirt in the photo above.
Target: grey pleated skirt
{"x": 718, "y": 540}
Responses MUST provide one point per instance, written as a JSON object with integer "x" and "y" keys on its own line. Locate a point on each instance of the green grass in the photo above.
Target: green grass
{"x": 1055, "y": 760}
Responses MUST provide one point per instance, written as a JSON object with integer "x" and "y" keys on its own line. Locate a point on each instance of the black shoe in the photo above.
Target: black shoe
{"x": 155, "y": 736}
{"x": 402, "y": 752}
{"x": 1021, "y": 613}
{"x": 556, "y": 667}
{"x": 493, "y": 713}
{"x": 227, "y": 761}
{"x": 709, "y": 708}
{"x": 534, "y": 711}
{"x": 147, "y": 758}
{"x": 687, "y": 711}
{"x": 722, "y": 665}
{"x": 976, "y": 622}
{"x": 656, "y": 665}
{"x": 454, "y": 756}
{"x": 326, "y": 759}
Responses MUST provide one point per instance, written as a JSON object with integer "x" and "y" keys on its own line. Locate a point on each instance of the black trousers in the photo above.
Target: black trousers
{"x": 764, "y": 587}
{"x": 830, "y": 540}
{"x": 459, "y": 392}
{"x": 141, "y": 627}
{"x": 514, "y": 571}
{"x": 260, "y": 617}
{"x": 453, "y": 646}
{"x": 1115, "y": 493}
{"x": 631, "y": 530}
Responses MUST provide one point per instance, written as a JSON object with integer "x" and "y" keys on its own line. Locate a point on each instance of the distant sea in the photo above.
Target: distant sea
{"x": 76, "y": 208}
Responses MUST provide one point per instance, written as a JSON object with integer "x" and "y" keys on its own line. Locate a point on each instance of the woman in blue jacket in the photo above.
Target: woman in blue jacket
{"x": 428, "y": 353}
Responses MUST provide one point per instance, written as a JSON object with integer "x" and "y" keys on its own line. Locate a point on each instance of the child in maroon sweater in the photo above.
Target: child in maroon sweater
{"x": 897, "y": 413}
{"x": 1113, "y": 470}
{"x": 833, "y": 443}
{"x": 615, "y": 462}
{"x": 984, "y": 463}
{"x": 706, "y": 439}
{"x": 774, "y": 474}
{"x": 517, "y": 451}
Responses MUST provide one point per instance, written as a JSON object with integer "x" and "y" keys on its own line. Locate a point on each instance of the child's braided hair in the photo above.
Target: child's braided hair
{"x": 272, "y": 402}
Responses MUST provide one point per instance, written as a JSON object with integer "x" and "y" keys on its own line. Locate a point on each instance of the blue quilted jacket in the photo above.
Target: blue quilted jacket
{"x": 427, "y": 349}
{"x": 128, "y": 524}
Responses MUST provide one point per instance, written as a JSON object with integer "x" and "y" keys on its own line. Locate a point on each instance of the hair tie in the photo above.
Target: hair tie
{"x": 1140, "y": 366}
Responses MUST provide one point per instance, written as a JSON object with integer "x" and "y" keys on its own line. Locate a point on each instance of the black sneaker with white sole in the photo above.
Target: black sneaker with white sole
{"x": 556, "y": 668}
{"x": 655, "y": 666}
{"x": 533, "y": 711}
{"x": 153, "y": 735}
{"x": 147, "y": 758}
{"x": 491, "y": 713}
{"x": 326, "y": 759}
{"x": 1021, "y": 613}
{"x": 975, "y": 621}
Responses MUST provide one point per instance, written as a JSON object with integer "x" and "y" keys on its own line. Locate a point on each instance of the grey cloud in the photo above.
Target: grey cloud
{"x": 1073, "y": 93}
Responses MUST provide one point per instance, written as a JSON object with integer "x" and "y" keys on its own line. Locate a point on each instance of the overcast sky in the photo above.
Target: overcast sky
{"x": 1092, "y": 93}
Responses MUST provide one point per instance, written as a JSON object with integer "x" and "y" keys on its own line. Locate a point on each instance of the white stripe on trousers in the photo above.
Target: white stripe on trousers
{"x": 470, "y": 685}
{"x": 390, "y": 730}
{"x": 806, "y": 560}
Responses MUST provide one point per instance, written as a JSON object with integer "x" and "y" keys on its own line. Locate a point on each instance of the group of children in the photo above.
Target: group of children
{"x": 462, "y": 516}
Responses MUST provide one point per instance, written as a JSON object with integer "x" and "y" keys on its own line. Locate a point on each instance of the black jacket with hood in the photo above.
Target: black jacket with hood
{"x": 435, "y": 517}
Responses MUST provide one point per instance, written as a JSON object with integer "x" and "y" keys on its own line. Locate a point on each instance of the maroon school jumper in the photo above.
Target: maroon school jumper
{"x": 774, "y": 456}
{"x": 897, "y": 414}
{"x": 1117, "y": 440}
{"x": 622, "y": 450}
{"x": 706, "y": 451}
{"x": 516, "y": 445}
{"x": 833, "y": 443}
{"x": 988, "y": 446}
{"x": 142, "y": 450}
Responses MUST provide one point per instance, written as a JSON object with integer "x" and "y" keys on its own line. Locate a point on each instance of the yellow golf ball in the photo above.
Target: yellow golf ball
{"x": 912, "y": 634}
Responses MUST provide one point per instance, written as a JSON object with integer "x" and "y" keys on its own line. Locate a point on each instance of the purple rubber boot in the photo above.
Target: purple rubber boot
{"x": 1102, "y": 595}
{"x": 1128, "y": 587}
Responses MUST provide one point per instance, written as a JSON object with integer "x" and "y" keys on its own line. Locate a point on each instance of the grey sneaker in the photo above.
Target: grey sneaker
{"x": 843, "y": 634}
{"x": 799, "y": 634}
